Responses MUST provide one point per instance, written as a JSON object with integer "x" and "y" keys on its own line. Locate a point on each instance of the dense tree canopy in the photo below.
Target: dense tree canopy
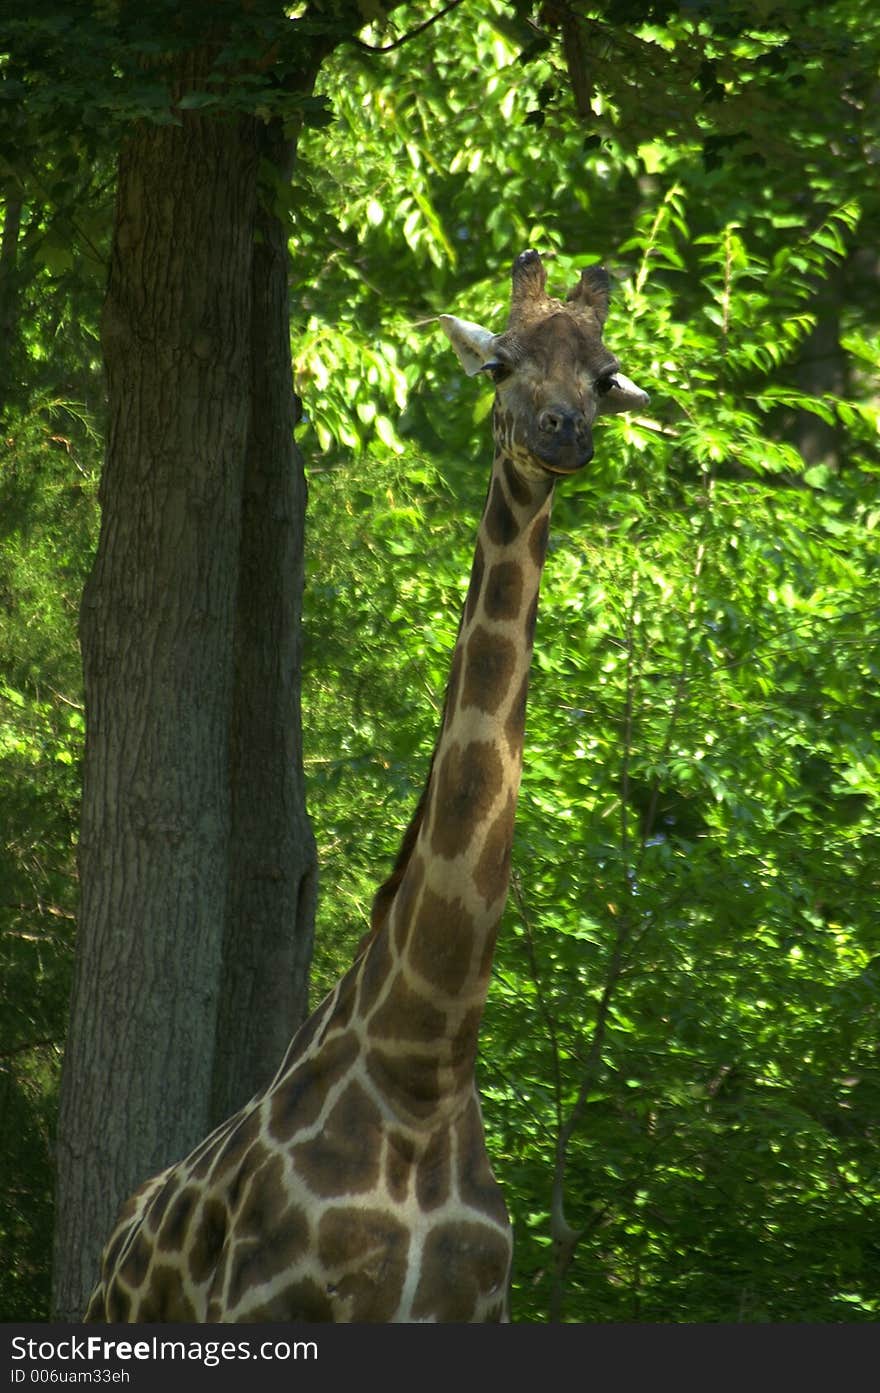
{"x": 679, "y": 1057}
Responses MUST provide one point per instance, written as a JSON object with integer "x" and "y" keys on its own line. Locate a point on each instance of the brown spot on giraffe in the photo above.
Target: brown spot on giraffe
{"x": 262, "y": 1186}
{"x": 134, "y": 1266}
{"x": 237, "y": 1142}
{"x": 492, "y": 872}
{"x": 503, "y": 595}
{"x": 476, "y": 583}
{"x": 177, "y": 1220}
{"x": 156, "y": 1211}
{"x": 364, "y": 1252}
{"x": 463, "y": 1264}
{"x": 298, "y": 1103}
{"x": 478, "y": 1187}
{"x": 490, "y": 660}
{"x": 210, "y": 1235}
{"x": 266, "y": 1248}
{"x": 468, "y": 781}
{"x": 501, "y": 523}
{"x": 406, "y": 1014}
{"x": 434, "y": 1172}
{"x": 409, "y": 1083}
{"x": 375, "y": 968}
{"x": 167, "y": 1300}
{"x": 407, "y": 898}
{"x": 356, "y": 1185}
{"x": 443, "y": 957}
{"x": 531, "y": 621}
{"x": 203, "y": 1159}
{"x": 340, "y": 1016}
{"x": 516, "y": 484}
{"x": 118, "y": 1305}
{"x": 344, "y": 1158}
{"x": 399, "y": 1164}
{"x": 243, "y": 1174}
{"x": 453, "y": 685}
{"x": 538, "y": 539}
{"x": 514, "y": 726}
{"x": 463, "y": 1046}
{"x": 303, "y": 1300}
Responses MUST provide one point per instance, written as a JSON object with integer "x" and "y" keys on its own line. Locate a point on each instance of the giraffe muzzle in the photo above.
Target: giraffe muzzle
{"x": 563, "y": 441}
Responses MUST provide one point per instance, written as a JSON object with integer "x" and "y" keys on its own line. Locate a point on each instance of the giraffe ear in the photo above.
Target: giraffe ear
{"x": 622, "y": 395}
{"x": 472, "y": 343}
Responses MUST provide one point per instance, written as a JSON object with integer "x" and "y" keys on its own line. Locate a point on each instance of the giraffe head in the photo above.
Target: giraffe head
{"x": 553, "y": 374}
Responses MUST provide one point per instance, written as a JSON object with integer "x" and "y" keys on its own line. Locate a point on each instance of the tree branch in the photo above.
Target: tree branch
{"x": 410, "y": 34}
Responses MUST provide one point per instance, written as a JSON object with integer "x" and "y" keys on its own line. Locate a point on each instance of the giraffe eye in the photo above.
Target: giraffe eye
{"x": 497, "y": 370}
{"x": 605, "y": 383}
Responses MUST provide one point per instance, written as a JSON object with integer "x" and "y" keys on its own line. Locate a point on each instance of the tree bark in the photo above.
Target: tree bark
{"x": 197, "y": 862}
{"x": 272, "y": 859}
{"x": 157, "y": 627}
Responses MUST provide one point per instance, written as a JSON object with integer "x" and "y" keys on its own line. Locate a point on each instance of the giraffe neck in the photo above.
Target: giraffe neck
{"x": 425, "y": 975}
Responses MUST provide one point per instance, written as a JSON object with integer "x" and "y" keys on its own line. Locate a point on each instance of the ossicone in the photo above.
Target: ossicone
{"x": 592, "y": 293}
{"x": 529, "y": 279}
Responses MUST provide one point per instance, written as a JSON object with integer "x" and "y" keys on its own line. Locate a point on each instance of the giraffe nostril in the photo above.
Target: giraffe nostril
{"x": 563, "y": 422}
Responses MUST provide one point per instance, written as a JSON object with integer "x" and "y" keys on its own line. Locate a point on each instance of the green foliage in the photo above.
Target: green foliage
{"x": 98, "y": 68}
{"x": 717, "y": 696}
{"x": 692, "y": 949}
{"x": 48, "y": 476}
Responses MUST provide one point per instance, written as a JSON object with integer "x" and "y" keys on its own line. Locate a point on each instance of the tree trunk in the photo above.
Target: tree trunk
{"x": 272, "y": 876}
{"x": 157, "y": 628}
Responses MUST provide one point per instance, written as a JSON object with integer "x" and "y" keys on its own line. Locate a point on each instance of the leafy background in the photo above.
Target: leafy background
{"x": 680, "y": 1049}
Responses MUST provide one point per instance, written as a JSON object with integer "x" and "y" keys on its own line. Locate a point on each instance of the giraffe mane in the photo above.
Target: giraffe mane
{"x": 384, "y": 896}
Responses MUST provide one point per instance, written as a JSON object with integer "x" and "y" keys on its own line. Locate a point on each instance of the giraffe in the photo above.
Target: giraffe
{"x": 356, "y": 1185}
